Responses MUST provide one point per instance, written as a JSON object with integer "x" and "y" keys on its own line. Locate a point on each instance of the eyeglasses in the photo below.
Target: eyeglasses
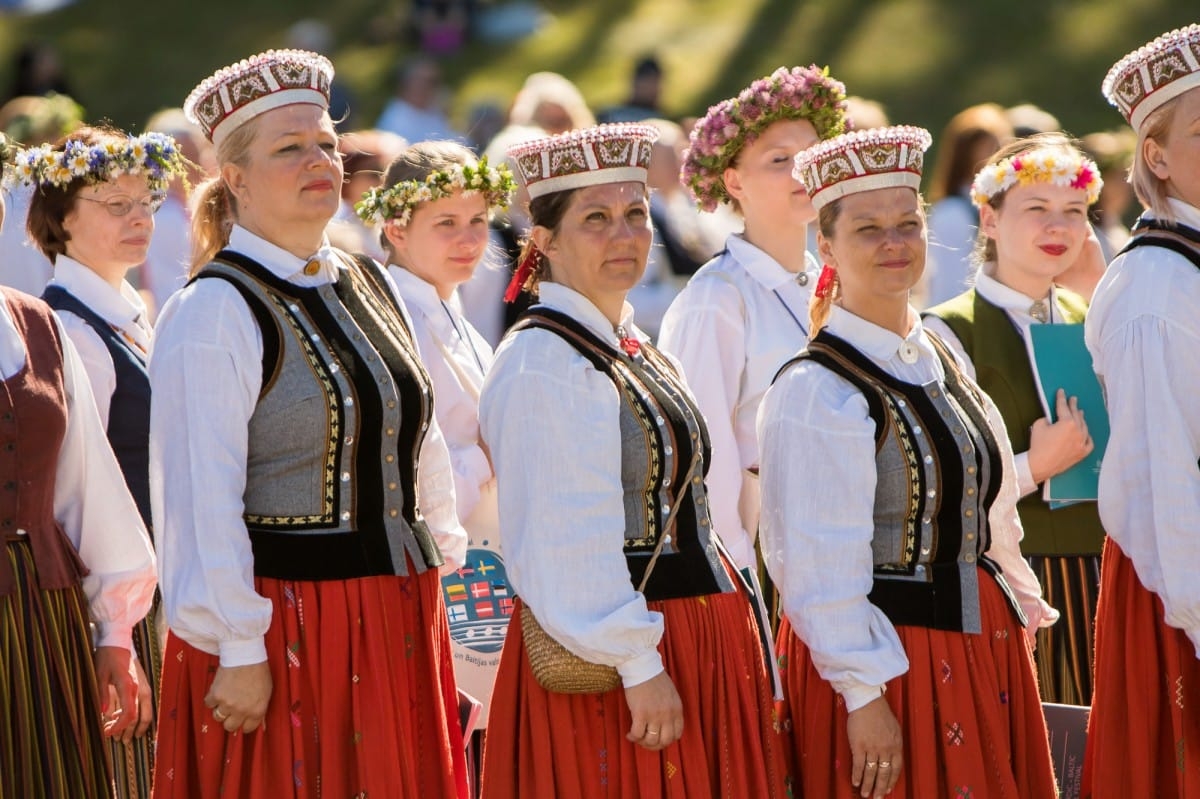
{"x": 121, "y": 206}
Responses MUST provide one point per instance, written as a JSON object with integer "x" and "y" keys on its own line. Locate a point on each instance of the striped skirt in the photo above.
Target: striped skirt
{"x": 544, "y": 744}
{"x": 51, "y": 743}
{"x": 1144, "y": 729}
{"x": 363, "y": 705}
{"x": 133, "y": 762}
{"x": 1064, "y": 650}
{"x": 968, "y": 709}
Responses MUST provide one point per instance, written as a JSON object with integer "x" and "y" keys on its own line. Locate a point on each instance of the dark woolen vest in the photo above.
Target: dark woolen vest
{"x": 1002, "y": 369}
{"x": 1173, "y": 236}
{"x": 129, "y": 410}
{"x": 33, "y": 422}
{"x": 661, "y": 428}
{"x": 334, "y": 440}
{"x": 938, "y": 473}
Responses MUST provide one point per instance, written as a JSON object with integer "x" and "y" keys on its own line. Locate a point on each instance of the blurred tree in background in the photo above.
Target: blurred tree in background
{"x": 922, "y": 59}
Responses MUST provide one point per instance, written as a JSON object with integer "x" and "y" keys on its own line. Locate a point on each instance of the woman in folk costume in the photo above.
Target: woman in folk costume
{"x": 92, "y": 215}
{"x": 893, "y": 536}
{"x": 433, "y": 208}
{"x": 1142, "y": 330}
{"x": 745, "y": 313}
{"x": 600, "y": 454}
{"x": 1033, "y": 197}
{"x": 76, "y": 556}
{"x": 303, "y": 498}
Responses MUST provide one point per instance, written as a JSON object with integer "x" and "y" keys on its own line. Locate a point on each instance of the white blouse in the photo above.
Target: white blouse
{"x": 818, "y": 482}
{"x": 1017, "y": 306}
{"x": 552, "y": 423}
{"x": 1143, "y": 330}
{"x": 92, "y": 502}
{"x": 123, "y": 309}
{"x": 205, "y": 372}
{"x": 457, "y": 358}
{"x": 738, "y": 320}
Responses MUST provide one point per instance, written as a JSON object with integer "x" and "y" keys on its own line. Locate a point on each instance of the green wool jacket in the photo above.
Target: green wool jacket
{"x": 1003, "y": 370}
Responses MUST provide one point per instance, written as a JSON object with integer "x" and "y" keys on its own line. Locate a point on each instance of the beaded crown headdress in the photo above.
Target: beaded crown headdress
{"x": 587, "y": 157}
{"x": 863, "y": 160}
{"x": 1158, "y": 71}
{"x": 235, "y": 94}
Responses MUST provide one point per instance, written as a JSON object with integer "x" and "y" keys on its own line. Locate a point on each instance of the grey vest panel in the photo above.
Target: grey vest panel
{"x": 304, "y": 432}
{"x": 933, "y": 446}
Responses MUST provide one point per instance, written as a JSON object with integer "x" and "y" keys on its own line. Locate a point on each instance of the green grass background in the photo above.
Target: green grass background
{"x": 923, "y": 59}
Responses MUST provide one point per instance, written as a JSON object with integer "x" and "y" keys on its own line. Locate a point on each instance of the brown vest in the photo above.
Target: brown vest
{"x": 33, "y": 421}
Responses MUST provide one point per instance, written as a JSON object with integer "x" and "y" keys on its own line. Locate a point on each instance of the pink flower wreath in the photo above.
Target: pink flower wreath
{"x": 796, "y": 93}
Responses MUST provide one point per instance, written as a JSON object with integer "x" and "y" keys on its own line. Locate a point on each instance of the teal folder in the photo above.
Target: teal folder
{"x": 1061, "y": 360}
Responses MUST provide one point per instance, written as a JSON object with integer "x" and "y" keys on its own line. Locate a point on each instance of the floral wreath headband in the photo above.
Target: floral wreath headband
{"x": 6, "y": 155}
{"x": 397, "y": 202}
{"x": 1037, "y": 166}
{"x": 796, "y": 93}
{"x": 154, "y": 156}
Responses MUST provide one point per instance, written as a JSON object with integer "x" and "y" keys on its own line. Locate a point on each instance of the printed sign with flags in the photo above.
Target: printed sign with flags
{"x": 471, "y": 605}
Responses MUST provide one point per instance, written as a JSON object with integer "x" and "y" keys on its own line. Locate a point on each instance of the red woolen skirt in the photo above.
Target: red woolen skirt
{"x": 573, "y": 746}
{"x": 968, "y": 707}
{"x": 1144, "y": 730}
{"x": 364, "y": 702}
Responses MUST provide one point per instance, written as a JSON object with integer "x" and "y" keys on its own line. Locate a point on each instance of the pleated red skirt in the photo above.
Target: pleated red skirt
{"x": 1144, "y": 729}
{"x": 364, "y": 702}
{"x": 543, "y": 744}
{"x": 968, "y": 708}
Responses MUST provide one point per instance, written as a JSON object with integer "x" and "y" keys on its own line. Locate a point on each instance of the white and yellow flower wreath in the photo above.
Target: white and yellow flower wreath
{"x": 397, "y": 202}
{"x": 1037, "y": 166}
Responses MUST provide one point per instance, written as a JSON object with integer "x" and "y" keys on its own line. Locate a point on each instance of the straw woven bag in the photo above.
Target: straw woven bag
{"x": 561, "y": 671}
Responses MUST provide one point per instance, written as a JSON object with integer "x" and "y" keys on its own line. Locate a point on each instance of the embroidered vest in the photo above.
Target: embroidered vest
{"x": 33, "y": 422}
{"x": 335, "y": 437}
{"x": 129, "y": 410}
{"x": 1003, "y": 370}
{"x": 938, "y": 473}
{"x": 1172, "y": 236}
{"x": 660, "y": 429}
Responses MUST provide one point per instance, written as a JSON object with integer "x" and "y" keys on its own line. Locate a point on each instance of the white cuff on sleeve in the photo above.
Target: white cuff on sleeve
{"x": 1024, "y": 475}
{"x": 453, "y": 546}
{"x": 641, "y": 668}
{"x": 108, "y": 634}
{"x": 243, "y": 653}
{"x": 857, "y": 694}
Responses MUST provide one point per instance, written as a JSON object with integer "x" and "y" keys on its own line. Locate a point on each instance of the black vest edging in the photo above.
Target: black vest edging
{"x": 695, "y": 568}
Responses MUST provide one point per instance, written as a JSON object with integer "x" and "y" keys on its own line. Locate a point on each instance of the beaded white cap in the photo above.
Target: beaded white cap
{"x": 235, "y": 94}
{"x": 1154, "y": 73}
{"x": 586, "y": 157}
{"x": 862, "y": 160}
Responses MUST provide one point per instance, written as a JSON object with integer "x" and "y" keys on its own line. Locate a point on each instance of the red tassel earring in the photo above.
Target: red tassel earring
{"x": 825, "y": 281}
{"x": 524, "y": 269}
